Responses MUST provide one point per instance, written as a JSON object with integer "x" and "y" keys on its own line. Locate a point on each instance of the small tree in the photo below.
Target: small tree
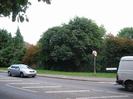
{"x": 30, "y": 56}
{"x": 115, "y": 48}
{"x": 18, "y": 47}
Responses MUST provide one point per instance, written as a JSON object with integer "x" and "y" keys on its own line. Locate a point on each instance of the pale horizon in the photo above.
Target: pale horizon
{"x": 113, "y": 14}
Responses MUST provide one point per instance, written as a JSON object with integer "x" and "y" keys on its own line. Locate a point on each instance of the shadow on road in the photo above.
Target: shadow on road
{"x": 123, "y": 90}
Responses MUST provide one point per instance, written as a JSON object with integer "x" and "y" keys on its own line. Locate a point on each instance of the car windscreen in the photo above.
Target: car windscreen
{"x": 25, "y": 67}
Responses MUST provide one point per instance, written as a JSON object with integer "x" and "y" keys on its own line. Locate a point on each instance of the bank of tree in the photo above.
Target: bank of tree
{"x": 114, "y": 49}
{"x": 126, "y": 33}
{"x": 69, "y": 47}
{"x": 11, "y": 48}
{"x": 5, "y": 48}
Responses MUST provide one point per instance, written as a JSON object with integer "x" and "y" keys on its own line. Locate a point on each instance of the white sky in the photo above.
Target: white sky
{"x": 113, "y": 14}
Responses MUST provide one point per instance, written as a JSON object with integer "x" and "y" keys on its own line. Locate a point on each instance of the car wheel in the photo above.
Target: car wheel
{"x": 9, "y": 73}
{"x": 33, "y": 76}
{"x": 129, "y": 86}
{"x": 21, "y": 75}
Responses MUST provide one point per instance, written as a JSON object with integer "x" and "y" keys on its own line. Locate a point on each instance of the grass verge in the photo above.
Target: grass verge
{"x": 81, "y": 74}
{"x": 3, "y": 68}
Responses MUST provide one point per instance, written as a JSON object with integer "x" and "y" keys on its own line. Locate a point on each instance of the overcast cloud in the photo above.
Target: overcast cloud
{"x": 113, "y": 14}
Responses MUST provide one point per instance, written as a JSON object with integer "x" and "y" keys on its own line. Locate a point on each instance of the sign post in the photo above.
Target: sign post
{"x": 95, "y": 55}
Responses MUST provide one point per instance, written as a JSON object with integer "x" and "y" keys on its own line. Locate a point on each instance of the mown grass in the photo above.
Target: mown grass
{"x": 82, "y": 74}
{"x": 3, "y": 68}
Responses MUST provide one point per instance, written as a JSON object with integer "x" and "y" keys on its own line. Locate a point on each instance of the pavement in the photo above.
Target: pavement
{"x": 93, "y": 79}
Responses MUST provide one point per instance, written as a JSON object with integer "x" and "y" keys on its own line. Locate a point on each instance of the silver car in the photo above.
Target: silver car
{"x": 21, "y": 70}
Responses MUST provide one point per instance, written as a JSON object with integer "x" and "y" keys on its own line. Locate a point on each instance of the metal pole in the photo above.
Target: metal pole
{"x": 94, "y": 64}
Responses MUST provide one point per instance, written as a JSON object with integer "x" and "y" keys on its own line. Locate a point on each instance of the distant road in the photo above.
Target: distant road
{"x": 53, "y": 88}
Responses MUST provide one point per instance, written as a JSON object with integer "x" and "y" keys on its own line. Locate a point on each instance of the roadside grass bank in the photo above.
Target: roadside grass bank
{"x": 81, "y": 74}
{"x": 3, "y": 68}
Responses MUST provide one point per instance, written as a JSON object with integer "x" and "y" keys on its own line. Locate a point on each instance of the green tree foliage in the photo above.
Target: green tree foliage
{"x": 5, "y": 39}
{"x": 16, "y": 8}
{"x": 10, "y": 49}
{"x": 18, "y": 46}
{"x": 54, "y": 50}
{"x": 67, "y": 47}
{"x": 5, "y": 48}
{"x": 115, "y": 48}
{"x": 18, "y": 39}
{"x": 126, "y": 33}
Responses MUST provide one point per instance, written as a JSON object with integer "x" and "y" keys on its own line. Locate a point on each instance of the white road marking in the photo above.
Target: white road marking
{"x": 107, "y": 82}
{"x": 9, "y": 80}
{"x": 104, "y": 97}
{"x": 111, "y": 92}
{"x": 23, "y": 83}
{"x": 21, "y": 88}
{"x": 68, "y": 91}
{"x": 43, "y": 87}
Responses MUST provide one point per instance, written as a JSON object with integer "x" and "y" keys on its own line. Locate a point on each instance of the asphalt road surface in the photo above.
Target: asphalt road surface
{"x": 53, "y": 88}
